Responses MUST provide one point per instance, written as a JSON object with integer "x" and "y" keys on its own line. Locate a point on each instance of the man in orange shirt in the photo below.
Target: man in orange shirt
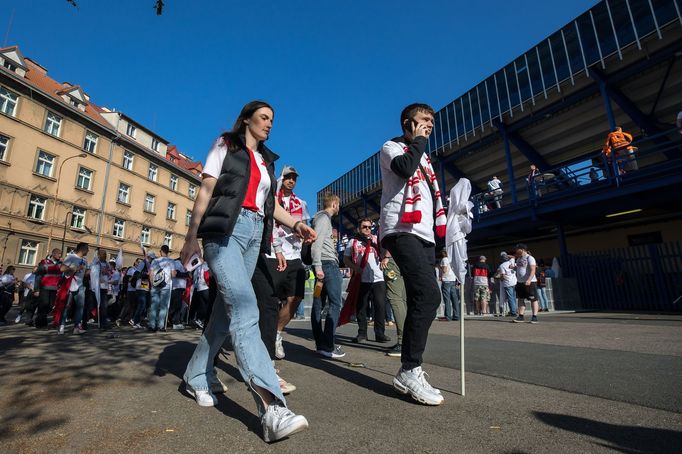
{"x": 618, "y": 143}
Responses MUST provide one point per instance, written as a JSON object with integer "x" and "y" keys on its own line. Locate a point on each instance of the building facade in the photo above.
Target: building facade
{"x": 73, "y": 171}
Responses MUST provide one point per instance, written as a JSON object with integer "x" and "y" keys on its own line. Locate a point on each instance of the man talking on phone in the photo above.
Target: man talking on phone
{"x": 410, "y": 197}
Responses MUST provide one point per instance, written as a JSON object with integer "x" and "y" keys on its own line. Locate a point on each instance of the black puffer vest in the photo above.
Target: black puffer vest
{"x": 230, "y": 191}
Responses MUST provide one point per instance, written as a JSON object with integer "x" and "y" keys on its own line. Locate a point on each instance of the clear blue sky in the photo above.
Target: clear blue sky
{"x": 337, "y": 72}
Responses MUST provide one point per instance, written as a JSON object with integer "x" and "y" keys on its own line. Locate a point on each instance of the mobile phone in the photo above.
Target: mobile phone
{"x": 194, "y": 262}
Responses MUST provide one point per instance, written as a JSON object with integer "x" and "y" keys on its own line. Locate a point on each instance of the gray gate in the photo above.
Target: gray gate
{"x": 647, "y": 277}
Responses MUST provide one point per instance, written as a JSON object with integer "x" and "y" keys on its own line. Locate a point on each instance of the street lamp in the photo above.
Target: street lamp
{"x": 56, "y": 194}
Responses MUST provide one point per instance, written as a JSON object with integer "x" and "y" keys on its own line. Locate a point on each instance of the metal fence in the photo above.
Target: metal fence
{"x": 647, "y": 277}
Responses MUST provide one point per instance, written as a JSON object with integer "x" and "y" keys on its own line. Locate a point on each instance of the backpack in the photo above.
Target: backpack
{"x": 159, "y": 280}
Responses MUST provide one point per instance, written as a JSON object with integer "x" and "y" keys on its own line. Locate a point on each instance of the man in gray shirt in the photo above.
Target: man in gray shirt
{"x": 326, "y": 267}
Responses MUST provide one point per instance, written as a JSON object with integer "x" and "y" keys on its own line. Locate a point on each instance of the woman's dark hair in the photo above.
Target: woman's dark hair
{"x": 442, "y": 253}
{"x": 239, "y": 126}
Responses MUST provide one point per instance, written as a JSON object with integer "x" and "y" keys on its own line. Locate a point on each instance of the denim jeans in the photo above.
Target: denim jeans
{"x": 542, "y": 296}
{"x": 232, "y": 260}
{"x": 450, "y": 299}
{"x": 77, "y": 297}
{"x": 324, "y": 338}
{"x": 511, "y": 299}
{"x": 156, "y": 318}
{"x": 141, "y": 297}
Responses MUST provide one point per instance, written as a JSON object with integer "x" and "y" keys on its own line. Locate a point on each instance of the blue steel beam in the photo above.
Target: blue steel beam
{"x": 372, "y": 204}
{"x": 524, "y": 147}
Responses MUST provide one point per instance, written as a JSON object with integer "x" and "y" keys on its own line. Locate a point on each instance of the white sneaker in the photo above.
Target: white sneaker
{"x": 78, "y": 330}
{"x": 217, "y": 386}
{"x": 414, "y": 382}
{"x": 279, "y": 348}
{"x": 203, "y": 398}
{"x": 61, "y": 329}
{"x": 18, "y": 319}
{"x": 131, "y": 323}
{"x": 285, "y": 386}
{"x": 179, "y": 326}
{"x": 279, "y": 422}
{"x": 137, "y": 326}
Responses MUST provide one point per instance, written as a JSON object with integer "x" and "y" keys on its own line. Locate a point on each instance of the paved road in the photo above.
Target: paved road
{"x": 573, "y": 383}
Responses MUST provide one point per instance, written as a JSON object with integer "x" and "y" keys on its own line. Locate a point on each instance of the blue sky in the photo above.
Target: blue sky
{"x": 338, "y": 72}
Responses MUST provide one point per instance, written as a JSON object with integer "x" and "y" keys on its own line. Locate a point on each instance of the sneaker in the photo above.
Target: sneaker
{"x": 395, "y": 351}
{"x": 279, "y": 349}
{"x": 534, "y": 319}
{"x": 132, "y": 323}
{"x": 204, "y": 398}
{"x": 217, "y": 386}
{"x": 279, "y": 422}
{"x": 199, "y": 324}
{"x": 78, "y": 330}
{"x": 413, "y": 382}
{"x": 137, "y": 326}
{"x": 61, "y": 329}
{"x": 359, "y": 339}
{"x": 518, "y": 319}
{"x": 179, "y": 326}
{"x": 285, "y": 386}
{"x": 18, "y": 319}
{"x": 338, "y": 353}
{"x": 382, "y": 338}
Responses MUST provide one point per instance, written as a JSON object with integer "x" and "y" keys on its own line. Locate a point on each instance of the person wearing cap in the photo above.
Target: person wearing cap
{"x": 291, "y": 287}
{"x": 481, "y": 274}
{"x": 506, "y": 274}
{"x": 526, "y": 287}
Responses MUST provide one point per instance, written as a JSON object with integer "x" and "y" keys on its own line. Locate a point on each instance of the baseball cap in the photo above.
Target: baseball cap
{"x": 288, "y": 170}
{"x": 504, "y": 254}
{"x": 482, "y": 257}
{"x": 151, "y": 255}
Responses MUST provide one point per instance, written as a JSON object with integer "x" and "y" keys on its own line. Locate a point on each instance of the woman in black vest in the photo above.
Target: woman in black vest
{"x": 233, "y": 214}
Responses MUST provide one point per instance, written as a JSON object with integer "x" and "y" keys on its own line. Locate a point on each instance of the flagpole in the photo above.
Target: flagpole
{"x": 462, "y": 307}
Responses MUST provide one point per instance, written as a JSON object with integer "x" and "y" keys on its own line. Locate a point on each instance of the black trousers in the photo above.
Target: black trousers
{"x": 6, "y": 300}
{"x": 416, "y": 259}
{"x": 377, "y": 293}
{"x": 199, "y": 308}
{"x": 45, "y": 300}
{"x": 266, "y": 281}
{"x": 175, "y": 314}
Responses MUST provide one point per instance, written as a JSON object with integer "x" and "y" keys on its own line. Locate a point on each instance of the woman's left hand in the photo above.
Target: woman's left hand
{"x": 306, "y": 232}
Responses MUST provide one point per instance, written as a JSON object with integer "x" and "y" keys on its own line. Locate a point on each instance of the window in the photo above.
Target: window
{"x": 144, "y": 235}
{"x": 28, "y": 252}
{"x": 155, "y": 145}
{"x": 131, "y": 130}
{"x": 8, "y": 101}
{"x": 168, "y": 240}
{"x": 4, "y": 145}
{"x": 128, "y": 160}
{"x": 45, "y": 164}
{"x": 192, "y": 192}
{"x": 123, "y": 193}
{"x": 119, "y": 227}
{"x": 170, "y": 212}
{"x": 188, "y": 217}
{"x": 36, "y": 207}
{"x": 52, "y": 124}
{"x": 149, "y": 203}
{"x": 153, "y": 172}
{"x": 84, "y": 180}
{"x": 90, "y": 144}
{"x": 174, "y": 183}
{"x": 9, "y": 65}
{"x": 78, "y": 218}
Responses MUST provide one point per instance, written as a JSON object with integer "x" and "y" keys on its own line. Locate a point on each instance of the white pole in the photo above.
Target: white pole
{"x": 462, "y": 308}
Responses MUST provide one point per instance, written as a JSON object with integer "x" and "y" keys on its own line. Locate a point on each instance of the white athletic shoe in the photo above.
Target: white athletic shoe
{"x": 279, "y": 422}
{"x": 203, "y": 398}
{"x": 285, "y": 386}
{"x": 279, "y": 348}
{"x": 18, "y": 319}
{"x": 413, "y": 382}
{"x": 61, "y": 329}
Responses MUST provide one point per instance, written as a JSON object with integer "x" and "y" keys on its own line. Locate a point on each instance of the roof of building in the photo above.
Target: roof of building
{"x": 176, "y": 157}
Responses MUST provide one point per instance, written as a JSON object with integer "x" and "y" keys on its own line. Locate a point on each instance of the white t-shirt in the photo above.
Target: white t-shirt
{"x": 290, "y": 242}
{"x": 129, "y": 273}
{"x": 200, "y": 283}
{"x": 115, "y": 282}
{"x": 214, "y": 165}
{"x": 372, "y": 272}
{"x": 507, "y": 273}
{"x": 393, "y": 192}
{"x": 102, "y": 271}
{"x": 523, "y": 265}
{"x": 494, "y": 184}
{"x": 448, "y": 276}
{"x": 74, "y": 261}
{"x": 166, "y": 264}
{"x": 179, "y": 282}
{"x": 29, "y": 283}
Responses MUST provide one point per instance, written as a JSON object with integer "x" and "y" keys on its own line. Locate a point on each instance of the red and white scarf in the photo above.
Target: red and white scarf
{"x": 412, "y": 203}
{"x": 295, "y": 208}
{"x": 360, "y": 250}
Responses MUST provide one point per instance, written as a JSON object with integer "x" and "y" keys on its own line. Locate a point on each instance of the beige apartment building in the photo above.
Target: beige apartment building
{"x": 73, "y": 171}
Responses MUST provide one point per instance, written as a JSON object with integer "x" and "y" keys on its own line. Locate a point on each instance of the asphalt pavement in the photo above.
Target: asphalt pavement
{"x": 572, "y": 383}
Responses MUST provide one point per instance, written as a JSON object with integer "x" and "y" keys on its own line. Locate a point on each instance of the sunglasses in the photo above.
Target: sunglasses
{"x": 366, "y": 227}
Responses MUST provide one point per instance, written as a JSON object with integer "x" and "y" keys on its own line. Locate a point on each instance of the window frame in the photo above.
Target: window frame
{"x": 52, "y": 164}
{"x": 30, "y": 212}
{"x": 174, "y": 182}
{"x": 131, "y": 130}
{"x": 118, "y": 222}
{"x": 22, "y": 248}
{"x": 155, "y": 145}
{"x": 128, "y": 157}
{"x": 168, "y": 239}
{"x": 7, "y": 98}
{"x": 192, "y": 191}
{"x": 48, "y": 127}
{"x": 118, "y": 193}
{"x": 171, "y": 209}
{"x": 90, "y": 178}
{"x": 153, "y": 208}
{"x": 80, "y": 216}
{"x": 188, "y": 217}
{"x": 86, "y": 140}
{"x": 156, "y": 172}
{"x": 4, "y": 152}
{"x": 145, "y": 229}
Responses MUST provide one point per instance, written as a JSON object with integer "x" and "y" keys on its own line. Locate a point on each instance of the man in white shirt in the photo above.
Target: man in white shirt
{"x": 161, "y": 278}
{"x": 100, "y": 275}
{"x": 526, "y": 287}
{"x": 75, "y": 264}
{"x": 407, "y": 232}
{"x": 177, "y": 306}
{"x": 448, "y": 287}
{"x": 507, "y": 275}
{"x": 372, "y": 285}
{"x": 495, "y": 191}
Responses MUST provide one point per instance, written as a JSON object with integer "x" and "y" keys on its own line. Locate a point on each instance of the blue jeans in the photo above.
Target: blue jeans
{"x": 542, "y": 296}
{"x": 511, "y": 299}
{"x": 324, "y": 338}
{"x": 300, "y": 312}
{"x": 450, "y": 299}
{"x": 141, "y": 297}
{"x": 77, "y": 297}
{"x": 232, "y": 260}
{"x": 156, "y": 319}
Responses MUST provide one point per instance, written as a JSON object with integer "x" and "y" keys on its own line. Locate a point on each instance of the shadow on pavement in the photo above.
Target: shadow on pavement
{"x": 627, "y": 439}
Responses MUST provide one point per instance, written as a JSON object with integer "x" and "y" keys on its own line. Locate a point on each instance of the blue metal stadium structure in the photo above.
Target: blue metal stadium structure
{"x": 616, "y": 220}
